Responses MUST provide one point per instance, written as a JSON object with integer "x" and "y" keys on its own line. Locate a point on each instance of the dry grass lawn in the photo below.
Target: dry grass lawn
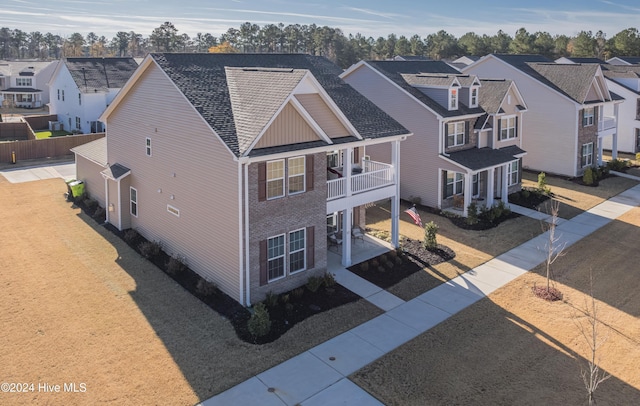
{"x": 79, "y": 306}
{"x": 513, "y": 348}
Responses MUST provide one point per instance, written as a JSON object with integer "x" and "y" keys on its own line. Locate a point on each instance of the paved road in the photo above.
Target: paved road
{"x": 65, "y": 171}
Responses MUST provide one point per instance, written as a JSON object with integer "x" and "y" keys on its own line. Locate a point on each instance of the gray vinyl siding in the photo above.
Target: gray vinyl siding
{"x": 190, "y": 169}
{"x": 89, "y": 172}
{"x": 441, "y": 96}
{"x": 550, "y": 122}
{"x": 419, "y": 162}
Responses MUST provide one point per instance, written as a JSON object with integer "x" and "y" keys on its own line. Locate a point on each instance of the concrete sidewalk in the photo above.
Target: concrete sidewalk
{"x": 319, "y": 376}
{"x": 39, "y": 170}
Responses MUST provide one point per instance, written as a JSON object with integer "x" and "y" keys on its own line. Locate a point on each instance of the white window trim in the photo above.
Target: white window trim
{"x": 132, "y": 202}
{"x": 78, "y": 123}
{"x": 304, "y": 250}
{"x": 455, "y": 134}
{"x": 473, "y": 100}
{"x": 284, "y": 173}
{"x": 284, "y": 258}
{"x": 588, "y": 119}
{"x": 303, "y": 174}
{"x": 147, "y": 145}
{"x": 453, "y": 183}
{"x": 475, "y": 180}
{"x": 589, "y": 155}
{"x": 510, "y": 172}
{"x": 504, "y": 120}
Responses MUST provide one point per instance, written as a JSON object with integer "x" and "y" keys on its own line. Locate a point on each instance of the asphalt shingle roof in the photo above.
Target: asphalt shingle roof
{"x": 91, "y": 74}
{"x": 630, "y": 59}
{"x": 480, "y": 158}
{"x": 571, "y": 80}
{"x": 95, "y": 151}
{"x": 202, "y": 78}
{"x": 492, "y": 94}
{"x": 399, "y": 71}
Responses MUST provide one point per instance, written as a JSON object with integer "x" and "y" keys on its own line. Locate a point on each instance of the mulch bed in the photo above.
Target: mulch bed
{"x": 388, "y": 269}
{"x": 284, "y": 313}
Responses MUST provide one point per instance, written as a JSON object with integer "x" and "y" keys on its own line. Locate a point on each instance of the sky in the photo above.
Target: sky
{"x": 368, "y": 17}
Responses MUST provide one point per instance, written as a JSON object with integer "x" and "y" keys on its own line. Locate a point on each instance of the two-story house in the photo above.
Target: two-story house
{"x": 567, "y": 105}
{"x": 237, "y": 162}
{"x": 82, "y": 88}
{"x": 624, "y": 80}
{"x": 23, "y": 83}
{"x": 467, "y": 132}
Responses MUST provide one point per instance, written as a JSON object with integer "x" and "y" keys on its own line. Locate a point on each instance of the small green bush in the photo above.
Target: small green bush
{"x": 430, "y": 231}
{"x": 285, "y": 298}
{"x": 298, "y": 292}
{"x": 329, "y": 280}
{"x": 587, "y": 177}
{"x": 314, "y": 283}
{"x": 131, "y": 236}
{"x": 617, "y": 165}
{"x": 271, "y": 300}
{"x": 177, "y": 264}
{"x": 542, "y": 184}
{"x": 150, "y": 249}
{"x": 472, "y": 213}
{"x": 260, "y": 322}
{"x": 99, "y": 214}
{"x": 206, "y": 288}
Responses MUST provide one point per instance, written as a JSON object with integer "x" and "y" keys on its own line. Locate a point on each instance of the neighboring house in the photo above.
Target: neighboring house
{"x": 570, "y": 108}
{"x": 467, "y": 132}
{"x": 248, "y": 166}
{"x": 566, "y": 59}
{"x": 24, "y": 83}
{"x": 411, "y": 58}
{"x": 624, "y": 60}
{"x": 624, "y": 80}
{"x": 82, "y": 88}
{"x": 463, "y": 61}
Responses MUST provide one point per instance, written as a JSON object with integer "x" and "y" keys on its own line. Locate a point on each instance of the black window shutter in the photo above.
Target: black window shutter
{"x": 263, "y": 262}
{"x": 446, "y": 135}
{"x": 262, "y": 181}
{"x": 309, "y": 172}
{"x": 311, "y": 247}
{"x": 516, "y": 129}
{"x": 467, "y": 127}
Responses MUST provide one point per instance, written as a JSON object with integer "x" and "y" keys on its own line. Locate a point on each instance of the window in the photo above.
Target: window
{"x": 508, "y": 128}
{"x": 275, "y": 179}
{"x": 134, "y": 201}
{"x": 588, "y": 116}
{"x": 587, "y": 154}
{"x": 638, "y": 109}
{"x": 513, "y": 173}
{"x": 148, "y": 146}
{"x": 455, "y": 184}
{"x": 473, "y": 102}
{"x": 296, "y": 174}
{"x": 79, "y": 99}
{"x": 275, "y": 257}
{"x": 77, "y": 123}
{"x": 62, "y": 94}
{"x": 455, "y": 134}
{"x": 58, "y": 94}
{"x": 23, "y": 82}
{"x": 453, "y": 99}
{"x": 334, "y": 159}
{"x": 637, "y": 139}
{"x": 297, "y": 250}
{"x": 476, "y": 185}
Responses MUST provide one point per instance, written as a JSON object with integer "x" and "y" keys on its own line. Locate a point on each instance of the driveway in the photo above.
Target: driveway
{"x": 65, "y": 171}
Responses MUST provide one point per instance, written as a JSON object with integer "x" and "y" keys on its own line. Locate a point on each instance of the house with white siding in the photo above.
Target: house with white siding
{"x": 624, "y": 80}
{"x": 571, "y": 110}
{"x": 624, "y": 60}
{"x": 82, "y": 88}
{"x": 24, "y": 83}
{"x": 249, "y": 166}
{"x": 467, "y": 137}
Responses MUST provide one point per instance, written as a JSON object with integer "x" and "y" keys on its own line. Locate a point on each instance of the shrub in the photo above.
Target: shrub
{"x": 271, "y": 300}
{"x": 375, "y": 263}
{"x": 430, "y": 231}
{"x": 383, "y": 258}
{"x": 314, "y": 283}
{"x": 587, "y": 177}
{"x": 260, "y": 322}
{"x": 398, "y": 261}
{"x": 149, "y": 249}
{"x": 99, "y": 214}
{"x": 542, "y": 183}
{"x": 297, "y": 293}
{"x": 90, "y": 203}
{"x": 618, "y": 165}
{"x": 393, "y": 253}
{"x": 389, "y": 264}
{"x": 329, "y": 280}
{"x": 381, "y": 269}
{"x": 176, "y": 265}
{"x": 206, "y": 288}
{"x": 472, "y": 213}
{"x": 364, "y": 267}
{"x": 131, "y": 236}
{"x": 284, "y": 298}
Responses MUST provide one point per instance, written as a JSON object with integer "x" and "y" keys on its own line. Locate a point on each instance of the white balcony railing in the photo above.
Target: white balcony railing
{"x": 374, "y": 175}
{"x": 606, "y": 123}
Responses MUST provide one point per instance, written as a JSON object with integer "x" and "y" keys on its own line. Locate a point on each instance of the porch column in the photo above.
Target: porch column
{"x": 346, "y": 170}
{"x": 395, "y": 200}
{"x": 346, "y": 236}
{"x": 600, "y": 150}
{"x": 468, "y": 191}
{"x": 614, "y": 146}
{"x": 505, "y": 184}
{"x": 491, "y": 189}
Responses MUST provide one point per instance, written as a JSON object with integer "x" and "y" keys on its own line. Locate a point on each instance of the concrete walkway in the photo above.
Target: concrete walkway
{"x": 319, "y": 376}
{"x": 64, "y": 170}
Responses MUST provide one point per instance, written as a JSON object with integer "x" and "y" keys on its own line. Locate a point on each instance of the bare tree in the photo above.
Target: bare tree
{"x": 553, "y": 249}
{"x": 592, "y": 376}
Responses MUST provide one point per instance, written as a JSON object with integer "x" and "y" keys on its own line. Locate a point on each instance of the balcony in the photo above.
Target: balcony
{"x": 607, "y": 123}
{"x": 374, "y": 175}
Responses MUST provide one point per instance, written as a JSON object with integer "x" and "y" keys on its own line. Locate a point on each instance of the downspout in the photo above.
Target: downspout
{"x": 106, "y": 197}
{"x": 246, "y": 231}
{"x": 120, "y": 208}
{"x": 240, "y": 235}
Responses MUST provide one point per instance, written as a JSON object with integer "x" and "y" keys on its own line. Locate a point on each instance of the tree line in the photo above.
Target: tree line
{"x": 316, "y": 40}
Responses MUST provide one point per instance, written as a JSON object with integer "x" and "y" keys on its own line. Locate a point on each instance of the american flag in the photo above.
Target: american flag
{"x": 414, "y": 215}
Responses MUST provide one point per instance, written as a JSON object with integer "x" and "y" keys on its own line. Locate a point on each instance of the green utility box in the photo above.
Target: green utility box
{"x": 76, "y": 188}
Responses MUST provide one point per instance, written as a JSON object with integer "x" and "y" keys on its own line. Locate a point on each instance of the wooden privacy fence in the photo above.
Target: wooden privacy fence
{"x": 14, "y": 131}
{"x": 45, "y": 148}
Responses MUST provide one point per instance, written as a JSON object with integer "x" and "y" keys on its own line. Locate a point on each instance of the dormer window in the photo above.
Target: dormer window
{"x": 473, "y": 97}
{"x": 453, "y": 98}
